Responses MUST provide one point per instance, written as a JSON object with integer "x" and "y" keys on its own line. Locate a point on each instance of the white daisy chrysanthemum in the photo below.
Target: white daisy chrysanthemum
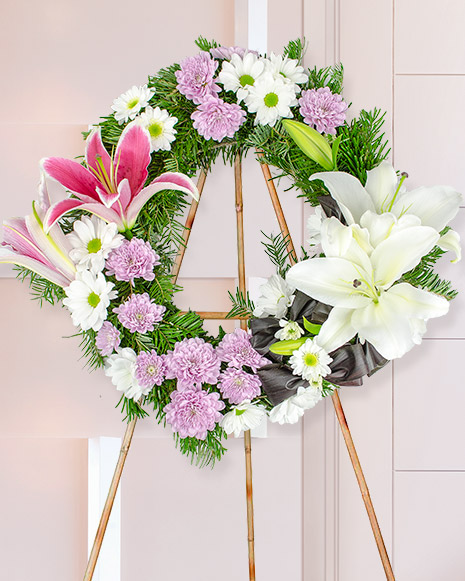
{"x": 290, "y": 331}
{"x": 271, "y": 98}
{"x": 239, "y": 74}
{"x": 129, "y": 104}
{"x": 160, "y": 124}
{"x": 289, "y": 69}
{"x": 310, "y": 361}
{"x": 92, "y": 241}
{"x": 121, "y": 368}
{"x": 293, "y": 408}
{"x": 275, "y": 298}
{"x": 245, "y": 416}
{"x": 88, "y": 298}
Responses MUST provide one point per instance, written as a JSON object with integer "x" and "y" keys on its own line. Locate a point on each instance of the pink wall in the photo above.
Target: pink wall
{"x": 310, "y": 521}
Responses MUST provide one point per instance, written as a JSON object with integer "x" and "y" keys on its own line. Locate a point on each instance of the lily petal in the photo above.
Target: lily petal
{"x": 348, "y": 192}
{"x": 107, "y": 199}
{"x": 380, "y": 323}
{"x": 166, "y": 181}
{"x": 95, "y": 150}
{"x": 133, "y": 156}
{"x": 418, "y": 303}
{"x": 8, "y": 256}
{"x": 451, "y": 241}
{"x": 336, "y": 330}
{"x": 381, "y": 185}
{"x": 401, "y": 252}
{"x": 329, "y": 280}
{"x": 436, "y": 206}
{"x": 16, "y": 234}
{"x": 73, "y": 176}
{"x": 55, "y": 212}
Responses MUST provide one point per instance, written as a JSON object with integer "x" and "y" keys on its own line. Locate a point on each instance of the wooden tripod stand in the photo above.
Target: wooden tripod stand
{"x": 247, "y": 437}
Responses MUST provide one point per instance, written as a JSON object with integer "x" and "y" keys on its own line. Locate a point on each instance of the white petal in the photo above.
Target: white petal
{"x": 451, "y": 241}
{"x": 436, "y": 206}
{"x": 329, "y": 280}
{"x": 381, "y": 324}
{"x": 348, "y": 192}
{"x": 418, "y": 303}
{"x": 401, "y": 252}
{"x": 336, "y": 330}
{"x": 381, "y": 185}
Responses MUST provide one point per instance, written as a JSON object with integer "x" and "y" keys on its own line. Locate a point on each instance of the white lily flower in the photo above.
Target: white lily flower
{"x": 358, "y": 280}
{"x": 435, "y": 206}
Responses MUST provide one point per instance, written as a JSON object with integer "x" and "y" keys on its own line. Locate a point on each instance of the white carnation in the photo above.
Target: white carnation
{"x": 276, "y": 296}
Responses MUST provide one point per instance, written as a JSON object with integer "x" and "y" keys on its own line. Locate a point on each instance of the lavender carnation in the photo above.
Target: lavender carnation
{"x": 150, "y": 369}
{"x": 108, "y": 339}
{"x": 235, "y": 348}
{"x": 195, "y": 79}
{"x": 139, "y": 313}
{"x": 215, "y": 119}
{"x": 193, "y": 362}
{"x": 192, "y": 413}
{"x": 238, "y": 385}
{"x": 133, "y": 259}
{"x": 323, "y": 109}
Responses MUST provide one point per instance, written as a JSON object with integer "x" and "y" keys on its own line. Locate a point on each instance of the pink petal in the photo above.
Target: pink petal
{"x": 125, "y": 193}
{"x": 72, "y": 176}
{"x": 96, "y": 150}
{"x": 107, "y": 199}
{"x": 107, "y": 214}
{"x": 133, "y": 156}
{"x": 10, "y": 257}
{"x": 166, "y": 181}
{"x": 16, "y": 235}
{"x": 183, "y": 183}
{"x": 58, "y": 210}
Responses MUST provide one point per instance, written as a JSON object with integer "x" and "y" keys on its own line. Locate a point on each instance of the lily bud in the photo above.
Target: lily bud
{"x": 312, "y": 143}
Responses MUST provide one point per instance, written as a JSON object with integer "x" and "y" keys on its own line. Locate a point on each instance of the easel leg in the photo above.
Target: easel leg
{"x": 247, "y": 436}
{"x": 335, "y": 397}
{"x": 92, "y": 563}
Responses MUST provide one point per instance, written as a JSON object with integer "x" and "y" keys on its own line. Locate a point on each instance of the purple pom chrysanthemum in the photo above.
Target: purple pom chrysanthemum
{"x": 215, "y": 119}
{"x": 108, "y": 339}
{"x": 150, "y": 369}
{"x": 133, "y": 259}
{"x": 226, "y": 52}
{"x": 238, "y": 385}
{"x": 193, "y": 362}
{"x": 323, "y": 109}
{"x": 192, "y": 413}
{"x": 195, "y": 79}
{"x": 139, "y": 313}
{"x": 235, "y": 348}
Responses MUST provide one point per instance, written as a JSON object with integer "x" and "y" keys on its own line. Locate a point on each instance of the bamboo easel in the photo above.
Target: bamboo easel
{"x": 247, "y": 436}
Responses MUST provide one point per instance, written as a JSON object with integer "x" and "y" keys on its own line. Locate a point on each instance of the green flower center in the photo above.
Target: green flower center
{"x": 155, "y": 129}
{"x": 246, "y": 80}
{"x": 94, "y": 246}
{"x": 133, "y": 102}
{"x": 239, "y": 412}
{"x": 310, "y": 360}
{"x": 271, "y": 100}
{"x": 93, "y": 299}
{"x": 151, "y": 369}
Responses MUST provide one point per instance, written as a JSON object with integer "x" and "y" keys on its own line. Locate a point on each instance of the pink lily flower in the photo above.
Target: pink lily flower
{"x": 112, "y": 188}
{"x": 27, "y": 244}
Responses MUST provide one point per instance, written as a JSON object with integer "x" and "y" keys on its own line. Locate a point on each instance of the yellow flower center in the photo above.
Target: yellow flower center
{"x": 246, "y": 80}
{"x": 310, "y": 359}
{"x": 133, "y": 102}
{"x": 271, "y": 100}
{"x": 155, "y": 129}
{"x": 93, "y": 299}
{"x": 94, "y": 246}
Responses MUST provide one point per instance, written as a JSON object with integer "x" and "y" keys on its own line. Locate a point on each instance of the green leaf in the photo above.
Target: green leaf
{"x": 311, "y": 327}
{"x": 312, "y": 143}
{"x": 287, "y": 347}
